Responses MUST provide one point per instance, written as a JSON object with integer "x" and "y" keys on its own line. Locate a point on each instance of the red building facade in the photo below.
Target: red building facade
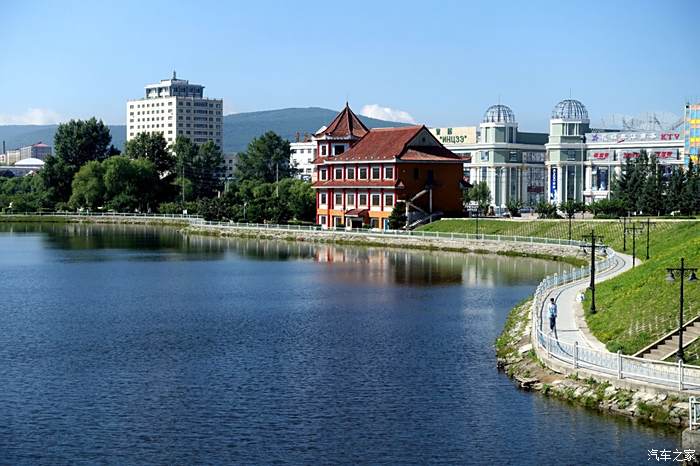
{"x": 360, "y": 174}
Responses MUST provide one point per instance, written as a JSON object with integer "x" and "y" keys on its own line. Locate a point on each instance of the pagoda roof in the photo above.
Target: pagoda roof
{"x": 346, "y": 125}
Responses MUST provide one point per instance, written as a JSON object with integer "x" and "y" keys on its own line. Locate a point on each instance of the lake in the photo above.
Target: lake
{"x": 136, "y": 344}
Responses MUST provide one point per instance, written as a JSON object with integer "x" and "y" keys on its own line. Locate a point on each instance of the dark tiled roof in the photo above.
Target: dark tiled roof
{"x": 344, "y": 125}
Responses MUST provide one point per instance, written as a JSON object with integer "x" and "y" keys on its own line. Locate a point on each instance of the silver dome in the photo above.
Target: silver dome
{"x": 499, "y": 114}
{"x": 570, "y": 109}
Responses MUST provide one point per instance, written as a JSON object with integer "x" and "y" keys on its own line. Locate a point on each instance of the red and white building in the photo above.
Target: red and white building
{"x": 360, "y": 174}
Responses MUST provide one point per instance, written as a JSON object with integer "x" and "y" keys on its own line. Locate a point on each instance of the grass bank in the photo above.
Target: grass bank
{"x": 637, "y": 307}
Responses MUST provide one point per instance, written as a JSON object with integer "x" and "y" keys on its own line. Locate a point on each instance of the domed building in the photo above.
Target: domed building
{"x": 511, "y": 162}
{"x": 566, "y": 151}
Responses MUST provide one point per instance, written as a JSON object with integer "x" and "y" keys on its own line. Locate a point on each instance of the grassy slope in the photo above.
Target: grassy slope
{"x": 638, "y": 306}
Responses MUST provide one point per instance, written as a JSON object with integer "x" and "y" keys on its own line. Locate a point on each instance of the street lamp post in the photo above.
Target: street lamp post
{"x": 649, "y": 224}
{"x": 692, "y": 278}
{"x": 624, "y": 234}
{"x": 634, "y": 229}
{"x": 477, "y": 222}
{"x": 592, "y": 238}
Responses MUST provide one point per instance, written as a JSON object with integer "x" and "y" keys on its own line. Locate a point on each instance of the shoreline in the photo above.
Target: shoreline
{"x": 553, "y": 252}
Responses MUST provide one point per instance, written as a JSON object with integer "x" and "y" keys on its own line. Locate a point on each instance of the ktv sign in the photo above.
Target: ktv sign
{"x": 618, "y": 138}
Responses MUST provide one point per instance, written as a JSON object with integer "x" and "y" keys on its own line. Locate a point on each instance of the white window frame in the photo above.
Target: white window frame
{"x": 379, "y": 173}
{"x": 386, "y": 202}
{"x": 387, "y": 169}
{"x": 379, "y": 200}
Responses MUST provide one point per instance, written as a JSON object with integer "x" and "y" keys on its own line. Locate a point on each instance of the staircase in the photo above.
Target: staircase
{"x": 425, "y": 219}
{"x": 667, "y": 346}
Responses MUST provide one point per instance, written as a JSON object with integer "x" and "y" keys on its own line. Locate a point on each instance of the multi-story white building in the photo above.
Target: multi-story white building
{"x": 581, "y": 163}
{"x": 175, "y": 108}
{"x": 39, "y": 151}
{"x": 510, "y": 161}
{"x": 302, "y": 158}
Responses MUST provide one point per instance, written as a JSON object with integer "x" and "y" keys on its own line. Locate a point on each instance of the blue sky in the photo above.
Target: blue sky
{"x": 442, "y": 63}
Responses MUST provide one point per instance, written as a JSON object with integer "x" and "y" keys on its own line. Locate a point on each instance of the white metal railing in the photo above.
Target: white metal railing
{"x": 693, "y": 413}
{"x": 673, "y": 375}
{"x": 199, "y": 221}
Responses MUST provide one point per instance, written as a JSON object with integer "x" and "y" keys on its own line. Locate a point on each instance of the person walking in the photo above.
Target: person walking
{"x": 552, "y": 312}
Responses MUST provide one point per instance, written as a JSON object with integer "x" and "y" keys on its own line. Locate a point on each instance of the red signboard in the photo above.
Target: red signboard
{"x": 601, "y": 155}
{"x": 630, "y": 155}
{"x": 664, "y": 154}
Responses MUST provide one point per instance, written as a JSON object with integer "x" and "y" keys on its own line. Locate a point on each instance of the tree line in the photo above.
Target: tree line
{"x": 87, "y": 172}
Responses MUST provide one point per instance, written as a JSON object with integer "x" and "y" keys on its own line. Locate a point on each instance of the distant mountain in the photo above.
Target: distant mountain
{"x": 239, "y": 128}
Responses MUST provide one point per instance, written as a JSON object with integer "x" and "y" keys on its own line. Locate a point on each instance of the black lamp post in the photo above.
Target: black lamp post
{"x": 477, "y": 221}
{"x": 593, "y": 238}
{"x": 649, "y": 224}
{"x": 634, "y": 229}
{"x": 624, "y": 234}
{"x": 692, "y": 278}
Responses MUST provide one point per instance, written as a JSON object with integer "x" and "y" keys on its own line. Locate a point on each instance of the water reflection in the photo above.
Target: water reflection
{"x": 377, "y": 265}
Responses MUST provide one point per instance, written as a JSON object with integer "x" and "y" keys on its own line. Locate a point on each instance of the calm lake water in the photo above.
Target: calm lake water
{"x": 138, "y": 345}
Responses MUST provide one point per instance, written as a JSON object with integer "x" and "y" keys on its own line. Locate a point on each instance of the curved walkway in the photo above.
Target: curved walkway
{"x": 571, "y": 325}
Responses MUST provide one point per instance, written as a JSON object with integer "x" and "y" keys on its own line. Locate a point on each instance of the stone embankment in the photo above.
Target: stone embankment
{"x": 525, "y": 249}
{"x": 516, "y": 357}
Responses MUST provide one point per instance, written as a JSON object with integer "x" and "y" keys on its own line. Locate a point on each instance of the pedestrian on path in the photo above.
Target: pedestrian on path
{"x": 552, "y": 311}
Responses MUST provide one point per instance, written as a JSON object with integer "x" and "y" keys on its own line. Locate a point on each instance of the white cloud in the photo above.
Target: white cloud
{"x": 386, "y": 113}
{"x": 33, "y": 116}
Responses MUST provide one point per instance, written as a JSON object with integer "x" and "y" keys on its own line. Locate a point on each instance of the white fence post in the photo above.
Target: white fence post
{"x": 576, "y": 355}
{"x": 619, "y": 364}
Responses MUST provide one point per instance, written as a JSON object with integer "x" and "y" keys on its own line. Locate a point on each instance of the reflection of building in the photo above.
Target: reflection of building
{"x": 691, "y": 133}
{"x": 360, "y": 174}
{"x": 174, "y": 107}
{"x": 510, "y": 161}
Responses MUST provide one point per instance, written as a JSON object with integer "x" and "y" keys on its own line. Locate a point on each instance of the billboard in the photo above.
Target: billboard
{"x": 455, "y": 135}
{"x": 553, "y": 181}
{"x": 636, "y": 136}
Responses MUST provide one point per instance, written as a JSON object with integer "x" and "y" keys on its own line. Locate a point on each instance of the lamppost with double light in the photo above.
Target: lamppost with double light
{"x": 671, "y": 277}
{"x": 592, "y": 238}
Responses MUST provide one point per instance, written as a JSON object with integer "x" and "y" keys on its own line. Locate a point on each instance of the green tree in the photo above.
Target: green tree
{"x": 153, "y": 147}
{"x": 266, "y": 159}
{"x": 514, "y": 207}
{"x": 397, "y": 219}
{"x": 300, "y": 198}
{"x": 200, "y": 165}
{"x": 88, "y": 187}
{"x": 75, "y": 143}
{"x": 481, "y": 194}
{"x": 546, "y": 210}
{"x": 651, "y": 199}
{"x": 676, "y": 190}
{"x": 129, "y": 183}
{"x": 571, "y": 207}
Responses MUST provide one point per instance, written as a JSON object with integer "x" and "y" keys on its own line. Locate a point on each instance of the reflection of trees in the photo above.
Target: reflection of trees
{"x": 346, "y": 264}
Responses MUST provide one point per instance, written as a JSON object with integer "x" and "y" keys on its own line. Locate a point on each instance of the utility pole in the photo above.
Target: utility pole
{"x": 593, "y": 238}
{"x": 634, "y": 229}
{"x": 277, "y": 180}
{"x": 624, "y": 234}
{"x": 670, "y": 278}
{"x": 477, "y": 222}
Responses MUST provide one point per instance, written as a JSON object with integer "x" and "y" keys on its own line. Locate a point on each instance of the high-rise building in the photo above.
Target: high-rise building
{"x": 691, "y": 131}
{"x": 175, "y": 108}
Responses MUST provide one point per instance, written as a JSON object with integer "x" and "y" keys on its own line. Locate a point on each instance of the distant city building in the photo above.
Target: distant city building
{"x": 572, "y": 161}
{"x": 302, "y": 158}
{"x": 691, "y": 133}
{"x": 511, "y": 162}
{"x": 360, "y": 174}
{"x": 22, "y": 167}
{"x": 174, "y": 107}
{"x": 39, "y": 151}
{"x": 582, "y": 163}
{"x": 229, "y": 167}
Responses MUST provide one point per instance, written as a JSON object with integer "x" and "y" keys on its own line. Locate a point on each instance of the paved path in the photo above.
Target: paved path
{"x": 571, "y": 324}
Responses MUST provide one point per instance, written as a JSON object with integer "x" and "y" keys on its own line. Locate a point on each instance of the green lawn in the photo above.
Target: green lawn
{"x": 636, "y": 307}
